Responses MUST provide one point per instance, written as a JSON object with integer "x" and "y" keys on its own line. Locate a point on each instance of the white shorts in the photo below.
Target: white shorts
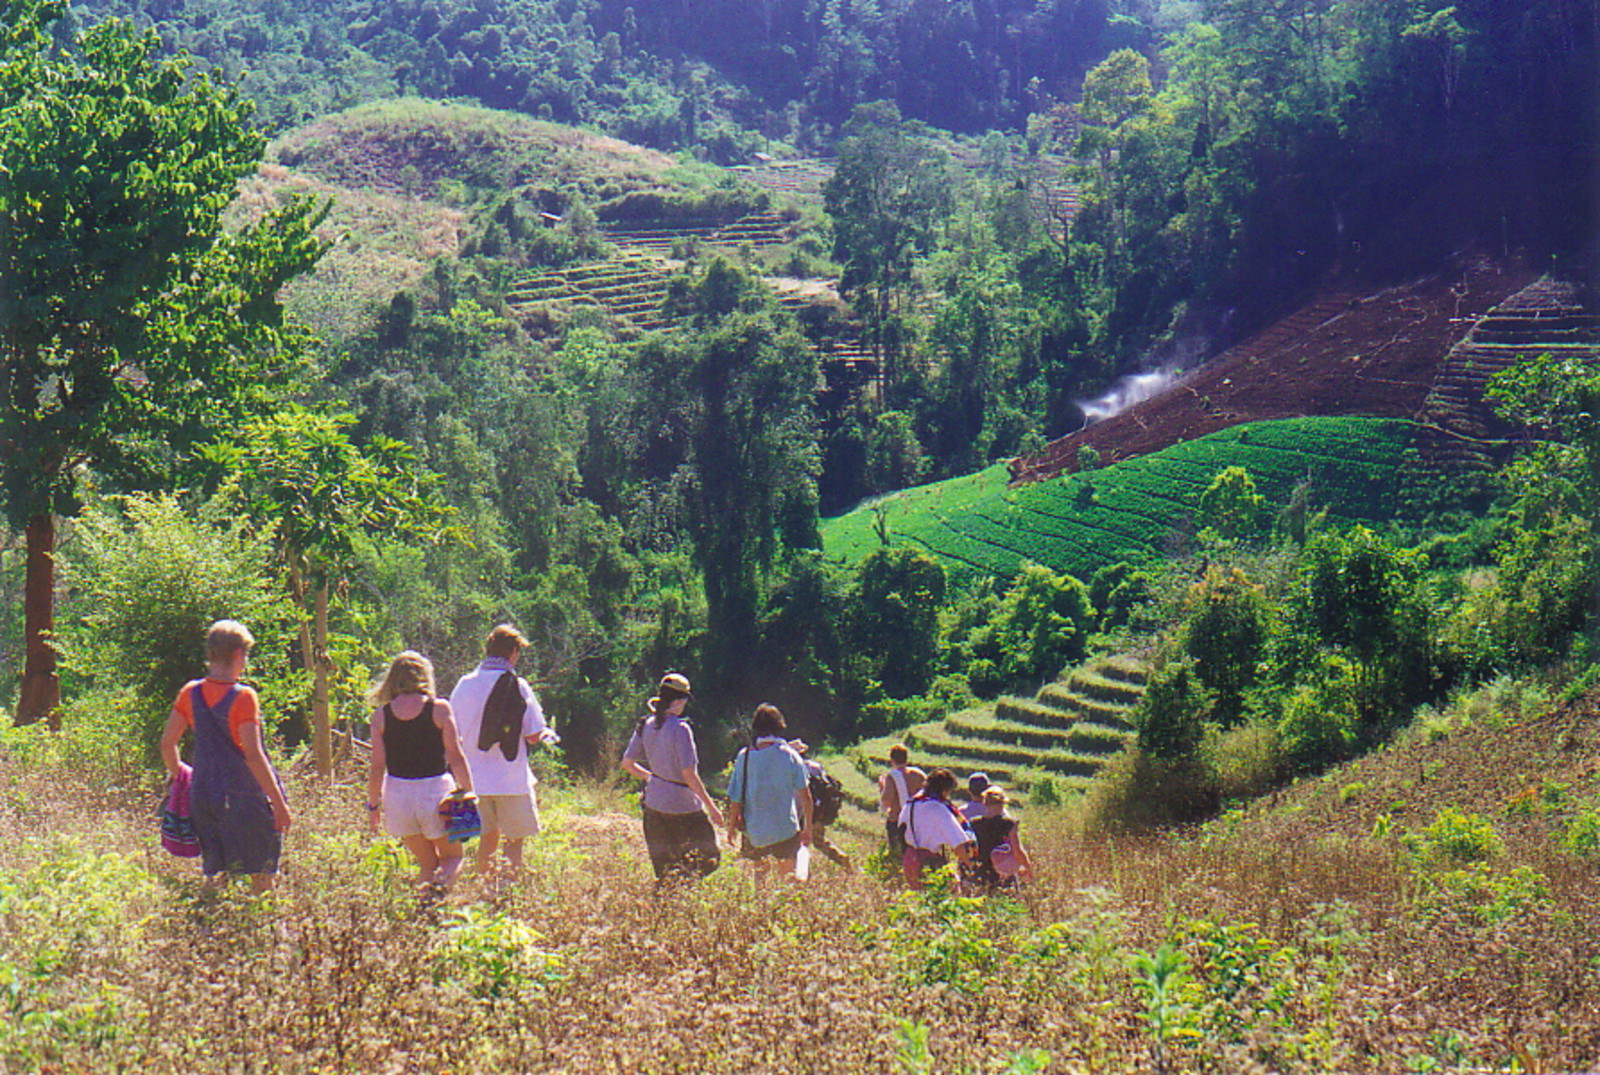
{"x": 411, "y": 807}
{"x": 515, "y": 817}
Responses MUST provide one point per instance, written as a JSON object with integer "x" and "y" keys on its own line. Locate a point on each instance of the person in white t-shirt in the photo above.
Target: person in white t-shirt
{"x": 935, "y": 831}
{"x": 498, "y": 722}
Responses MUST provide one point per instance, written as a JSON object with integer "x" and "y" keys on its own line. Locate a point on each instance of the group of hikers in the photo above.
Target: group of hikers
{"x": 444, "y": 770}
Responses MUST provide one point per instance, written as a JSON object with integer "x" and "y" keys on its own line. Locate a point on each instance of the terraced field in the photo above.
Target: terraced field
{"x": 1546, "y": 317}
{"x": 1066, "y": 733}
{"x": 628, "y": 287}
{"x": 660, "y": 237}
{"x": 1135, "y": 509}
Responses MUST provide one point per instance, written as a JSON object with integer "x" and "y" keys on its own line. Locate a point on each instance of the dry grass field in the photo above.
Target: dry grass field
{"x": 1429, "y": 909}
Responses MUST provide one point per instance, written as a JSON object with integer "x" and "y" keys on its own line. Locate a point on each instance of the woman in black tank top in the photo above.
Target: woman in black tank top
{"x": 415, "y": 751}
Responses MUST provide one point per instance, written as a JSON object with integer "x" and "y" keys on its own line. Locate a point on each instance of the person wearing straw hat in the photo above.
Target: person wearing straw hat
{"x": 680, "y": 817}
{"x": 1001, "y": 862}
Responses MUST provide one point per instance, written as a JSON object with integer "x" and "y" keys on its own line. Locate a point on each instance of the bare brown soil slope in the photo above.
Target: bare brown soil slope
{"x": 1351, "y": 351}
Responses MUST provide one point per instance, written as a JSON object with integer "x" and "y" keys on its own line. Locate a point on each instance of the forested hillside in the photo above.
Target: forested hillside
{"x": 632, "y": 382}
{"x": 1181, "y": 411}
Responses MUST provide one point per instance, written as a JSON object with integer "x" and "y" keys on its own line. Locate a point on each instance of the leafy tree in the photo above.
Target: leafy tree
{"x": 721, "y": 423}
{"x": 133, "y": 324}
{"x": 889, "y": 188}
{"x": 1226, "y": 634}
{"x": 1230, "y": 506}
{"x": 1042, "y": 622}
{"x": 148, "y": 574}
{"x": 301, "y": 473}
{"x": 1318, "y": 724}
{"x": 898, "y": 595}
{"x": 1172, "y": 713}
{"x": 1358, "y": 593}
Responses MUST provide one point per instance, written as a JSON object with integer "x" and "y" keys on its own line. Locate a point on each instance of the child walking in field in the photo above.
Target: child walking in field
{"x": 1001, "y": 862}
{"x": 235, "y": 801}
{"x": 415, "y": 751}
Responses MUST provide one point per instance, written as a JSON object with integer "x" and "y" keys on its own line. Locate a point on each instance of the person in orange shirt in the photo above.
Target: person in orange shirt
{"x": 239, "y": 810}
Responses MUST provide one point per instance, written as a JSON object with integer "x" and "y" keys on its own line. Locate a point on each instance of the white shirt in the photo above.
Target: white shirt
{"x": 935, "y": 827}
{"x": 492, "y": 773}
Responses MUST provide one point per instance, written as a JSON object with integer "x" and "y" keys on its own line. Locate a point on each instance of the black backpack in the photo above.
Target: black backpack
{"x": 827, "y": 795}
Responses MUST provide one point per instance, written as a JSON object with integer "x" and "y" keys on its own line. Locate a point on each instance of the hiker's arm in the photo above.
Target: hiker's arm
{"x": 446, "y": 722}
{"x": 691, "y": 776}
{"x": 802, "y": 798}
{"x": 255, "y": 756}
{"x": 636, "y": 769}
{"x": 375, "y": 771}
{"x": 169, "y": 743}
{"x": 888, "y": 800}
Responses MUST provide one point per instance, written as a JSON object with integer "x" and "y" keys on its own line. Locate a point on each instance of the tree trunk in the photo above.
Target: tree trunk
{"x": 41, "y": 689}
{"x": 321, "y": 724}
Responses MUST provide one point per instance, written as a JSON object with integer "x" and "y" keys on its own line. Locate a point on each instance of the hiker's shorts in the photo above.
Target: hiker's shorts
{"x": 514, "y": 817}
{"x": 411, "y": 806}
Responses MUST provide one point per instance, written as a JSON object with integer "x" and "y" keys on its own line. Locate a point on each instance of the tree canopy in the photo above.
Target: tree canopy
{"x": 132, "y": 323}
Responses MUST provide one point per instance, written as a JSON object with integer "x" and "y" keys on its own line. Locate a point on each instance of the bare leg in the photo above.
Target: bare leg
{"x": 449, "y": 855}
{"x": 820, "y": 841}
{"x": 487, "y": 843}
{"x": 514, "y": 853}
{"x": 422, "y": 850}
{"x": 261, "y": 883}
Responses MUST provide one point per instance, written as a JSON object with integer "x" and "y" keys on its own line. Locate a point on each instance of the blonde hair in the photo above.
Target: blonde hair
{"x": 226, "y": 639}
{"x": 995, "y": 796}
{"x": 409, "y": 673}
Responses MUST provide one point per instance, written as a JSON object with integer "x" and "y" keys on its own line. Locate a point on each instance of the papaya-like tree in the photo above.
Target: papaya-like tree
{"x": 133, "y": 324}
{"x": 299, "y": 472}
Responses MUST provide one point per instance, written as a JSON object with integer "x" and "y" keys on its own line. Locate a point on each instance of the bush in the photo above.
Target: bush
{"x": 1172, "y": 714}
{"x": 1318, "y": 725}
{"x": 1225, "y": 634}
{"x": 1135, "y": 791}
{"x": 148, "y": 575}
{"x": 1230, "y": 506}
{"x": 1042, "y": 621}
{"x": 1457, "y": 838}
{"x": 1245, "y": 761}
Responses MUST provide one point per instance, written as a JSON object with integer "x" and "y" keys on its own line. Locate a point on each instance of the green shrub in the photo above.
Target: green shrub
{"x": 1172, "y": 713}
{"x": 1317, "y": 726}
{"x": 493, "y": 955}
{"x": 1042, "y": 621}
{"x": 1225, "y": 633}
{"x": 1458, "y": 838}
{"x": 1582, "y": 837}
{"x": 148, "y": 575}
{"x": 1230, "y": 506}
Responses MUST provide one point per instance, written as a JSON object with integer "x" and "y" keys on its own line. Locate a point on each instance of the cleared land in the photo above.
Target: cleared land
{"x": 1135, "y": 509}
{"x": 1350, "y": 351}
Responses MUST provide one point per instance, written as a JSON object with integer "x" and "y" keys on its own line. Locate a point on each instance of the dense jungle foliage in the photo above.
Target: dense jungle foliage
{"x": 650, "y": 501}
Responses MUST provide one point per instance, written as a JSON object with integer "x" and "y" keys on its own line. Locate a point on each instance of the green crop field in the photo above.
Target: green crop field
{"x": 1135, "y": 509}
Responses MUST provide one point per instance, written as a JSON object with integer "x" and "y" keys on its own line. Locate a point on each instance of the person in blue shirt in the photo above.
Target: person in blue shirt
{"x": 770, "y": 797}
